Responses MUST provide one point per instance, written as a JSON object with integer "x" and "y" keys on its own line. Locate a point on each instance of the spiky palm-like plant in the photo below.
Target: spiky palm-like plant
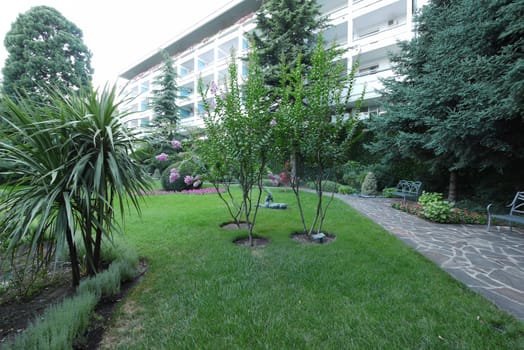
{"x": 74, "y": 171}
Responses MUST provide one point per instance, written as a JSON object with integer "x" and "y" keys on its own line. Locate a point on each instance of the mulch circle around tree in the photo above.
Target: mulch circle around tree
{"x": 233, "y": 225}
{"x": 307, "y": 239}
{"x": 257, "y": 242}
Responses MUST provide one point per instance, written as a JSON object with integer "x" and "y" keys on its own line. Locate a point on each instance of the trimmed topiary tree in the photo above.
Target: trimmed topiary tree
{"x": 369, "y": 185}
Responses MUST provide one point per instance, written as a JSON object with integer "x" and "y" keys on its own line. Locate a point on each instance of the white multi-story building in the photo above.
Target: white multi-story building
{"x": 368, "y": 29}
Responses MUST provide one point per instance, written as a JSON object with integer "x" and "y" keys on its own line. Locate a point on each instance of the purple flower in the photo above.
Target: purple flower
{"x": 273, "y": 122}
{"x": 213, "y": 88}
{"x": 196, "y": 183}
{"x": 173, "y": 175}
{"x": 162, "y": 157}
{"x": 176, "y": 144}
{"x": 188, "y": 180}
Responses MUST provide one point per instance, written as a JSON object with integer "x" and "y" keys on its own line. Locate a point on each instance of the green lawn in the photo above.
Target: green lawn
{"x": 366, "y": 290}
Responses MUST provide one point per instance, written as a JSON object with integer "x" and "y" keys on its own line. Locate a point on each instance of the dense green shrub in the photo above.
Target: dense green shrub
{"x": 327, "y": 186}
{"x": 353, "y": 173}
{"x": 440, "y": 211}
{"x": 343, "y": 189}
{"x": 369, "y": 185}
{"x": 387, "y": 192}
{"x": 429, "y": 197}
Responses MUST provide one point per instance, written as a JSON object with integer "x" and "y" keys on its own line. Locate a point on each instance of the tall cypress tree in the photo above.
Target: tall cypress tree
{"x": 45, "y": 49}
{"x": 286, "y": 29}
{"x": 164, "y": 100}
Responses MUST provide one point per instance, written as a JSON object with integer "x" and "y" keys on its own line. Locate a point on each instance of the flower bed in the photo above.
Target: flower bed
{"x": 458, "y": 216}
{"x": 200, "y": 191}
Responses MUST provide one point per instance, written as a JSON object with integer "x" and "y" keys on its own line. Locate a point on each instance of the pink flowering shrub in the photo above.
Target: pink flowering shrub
{"x": 162, "y": 157}
{"x": 274, "y": 179}
{"x": 176, "y": 144}
{"x": 200, "y": 191}
{"x": 183, "y": 175}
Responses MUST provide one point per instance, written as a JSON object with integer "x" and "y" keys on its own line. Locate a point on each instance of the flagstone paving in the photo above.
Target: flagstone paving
{"x": 491, "y": 263}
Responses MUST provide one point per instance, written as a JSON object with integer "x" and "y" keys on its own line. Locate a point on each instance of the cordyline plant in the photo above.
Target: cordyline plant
{"x": 314, "y": 128}
{"x": 71, "y": 172}
{"x": 238, "y": 139}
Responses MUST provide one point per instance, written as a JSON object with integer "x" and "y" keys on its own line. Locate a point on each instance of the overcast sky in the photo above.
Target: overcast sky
{"x": 118, "y": 33}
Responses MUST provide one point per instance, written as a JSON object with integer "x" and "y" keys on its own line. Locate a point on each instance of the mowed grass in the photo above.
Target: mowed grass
{"x": 365, "y": 290}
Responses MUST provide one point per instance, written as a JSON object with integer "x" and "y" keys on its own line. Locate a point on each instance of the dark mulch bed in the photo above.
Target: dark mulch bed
{"x": 307, "y": 239}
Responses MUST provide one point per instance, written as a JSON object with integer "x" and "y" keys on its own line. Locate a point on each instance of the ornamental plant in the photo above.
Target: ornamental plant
{"x": 74, "y": 173}
{"x": 313, "y": 126}
{"x": 238, "y": 141}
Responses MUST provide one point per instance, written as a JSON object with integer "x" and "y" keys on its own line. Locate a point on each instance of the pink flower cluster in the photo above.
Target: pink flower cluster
{"x": 173, "y": 175}
{"x": 162, "y": 157}
{"x": 200, "y": 191}
{"x": 273, "y": 178}
{"x": 190, "y": 180}
{"x": 176, "y": 144}
{"x": 273, "y": 122}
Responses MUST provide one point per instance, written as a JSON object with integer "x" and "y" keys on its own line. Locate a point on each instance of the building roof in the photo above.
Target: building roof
{"x": 225, "y": 18}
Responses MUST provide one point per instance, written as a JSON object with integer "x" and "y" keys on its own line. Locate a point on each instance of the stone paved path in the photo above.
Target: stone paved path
{"x": 491, "y": 263}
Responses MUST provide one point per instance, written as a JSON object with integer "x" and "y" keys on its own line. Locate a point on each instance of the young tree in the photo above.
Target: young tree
{"x": 453, "y": 103}
{"x": 164, "y": 101}
{"x": 238, "y": 137}
{"x": 74, "y": 172}
{"x": 313, "y": 124}
{"x": 45, "y": 49}
{"x": 286, "y": 30}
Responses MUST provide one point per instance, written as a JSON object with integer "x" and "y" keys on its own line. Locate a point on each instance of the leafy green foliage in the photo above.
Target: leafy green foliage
{"x": 45, "y": 50}
{"x": 74, "y": 172}
{"x": 439, "y": 211}
{"x": 429, "y": 197}
{"x": 313, "y": 128}
{"x": 239, "y": 137}
{"x": 344, "y": 189}
{"x": 286, "y": 30}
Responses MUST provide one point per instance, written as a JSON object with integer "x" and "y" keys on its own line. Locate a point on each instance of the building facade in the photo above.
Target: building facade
{"x": 368, "y": 29}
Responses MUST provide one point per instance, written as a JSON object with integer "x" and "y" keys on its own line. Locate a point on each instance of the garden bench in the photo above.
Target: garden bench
{"x": 516, "y": 212}
{"x": 407, "y": 189}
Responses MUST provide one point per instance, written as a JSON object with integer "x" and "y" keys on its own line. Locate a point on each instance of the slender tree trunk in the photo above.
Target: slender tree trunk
{"x": 295, "y": 186}
{"x": 452, "y": 194}
{"x": 73, "y": 257}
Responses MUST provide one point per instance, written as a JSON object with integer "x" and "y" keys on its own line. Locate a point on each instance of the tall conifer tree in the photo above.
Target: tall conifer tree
{"x": 45, "y": 49}
{"x": 164, "y": 100}
{"x": 286, "y": 29}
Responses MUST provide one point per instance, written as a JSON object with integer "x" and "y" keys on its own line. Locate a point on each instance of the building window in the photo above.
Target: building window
{"x": 183, "y": 71}
{"x": 144, "y": 122}
{"x": 184, "y": 113}
{"x": 144, "y": 105}
{"x": 201, "y": 64}
{"x": 144, "y": 87}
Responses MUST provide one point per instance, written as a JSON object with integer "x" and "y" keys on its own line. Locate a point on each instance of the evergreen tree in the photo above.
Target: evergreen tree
{"x": 453, "y": 104}
{"x": 45, "y": 50}
{"x": 286, "y": 29}
{"x": 164, "y": 100}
